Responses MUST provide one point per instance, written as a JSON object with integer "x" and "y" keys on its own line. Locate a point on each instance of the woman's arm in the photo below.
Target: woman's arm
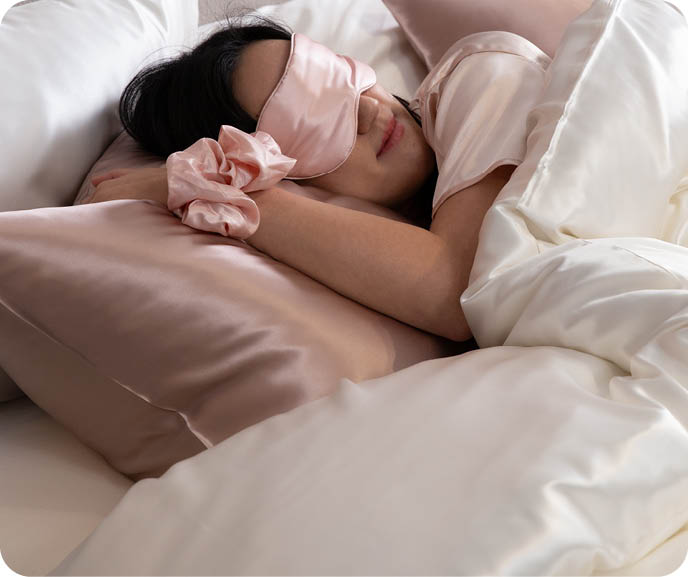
{"x": 398, "y": 269}
{"x": 458, "y": 220}
{"x": 403, "y": 271}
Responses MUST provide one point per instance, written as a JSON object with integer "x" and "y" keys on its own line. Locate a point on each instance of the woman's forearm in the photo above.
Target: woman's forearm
{"x": 398, "y": 269}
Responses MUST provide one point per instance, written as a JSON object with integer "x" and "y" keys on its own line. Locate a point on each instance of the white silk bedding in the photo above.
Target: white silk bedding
{"x": 560, "y": 449}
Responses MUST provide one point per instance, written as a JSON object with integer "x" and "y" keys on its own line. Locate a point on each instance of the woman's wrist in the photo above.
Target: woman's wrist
{"x": 265, "y": 200}
{"x": 260, "y": 197}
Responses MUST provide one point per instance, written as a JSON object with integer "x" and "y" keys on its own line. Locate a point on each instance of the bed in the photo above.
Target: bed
{"x": 559, "y": 445}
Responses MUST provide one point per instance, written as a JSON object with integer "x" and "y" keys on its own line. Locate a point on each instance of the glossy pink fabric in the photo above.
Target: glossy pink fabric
{"x": 432, "y": 26}
{"x": 152, "y": 342}
{"x": 209, "y": 180}
{"x": 158, "y": 342}
{"x": 313, "y": 111}
{"x": 474, "y": 106}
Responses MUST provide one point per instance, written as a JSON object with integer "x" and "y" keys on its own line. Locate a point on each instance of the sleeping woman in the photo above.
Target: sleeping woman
{"x": 440, "y": 160}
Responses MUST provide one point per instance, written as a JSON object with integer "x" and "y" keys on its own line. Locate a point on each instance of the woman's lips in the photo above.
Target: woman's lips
{"x": 393, "y": 134}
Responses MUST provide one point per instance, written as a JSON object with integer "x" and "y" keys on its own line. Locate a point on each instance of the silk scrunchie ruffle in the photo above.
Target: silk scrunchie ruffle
{"x": 208, "y": 182}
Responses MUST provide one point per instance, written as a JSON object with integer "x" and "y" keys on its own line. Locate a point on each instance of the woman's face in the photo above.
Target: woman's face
{"x": 383, "y": 169}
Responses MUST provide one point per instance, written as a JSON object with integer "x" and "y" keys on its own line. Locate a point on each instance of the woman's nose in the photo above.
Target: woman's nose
{"x": 368, "y": 108}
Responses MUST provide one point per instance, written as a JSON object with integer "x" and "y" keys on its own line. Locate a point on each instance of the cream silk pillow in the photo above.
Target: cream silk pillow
{"x": 432, "y": 26}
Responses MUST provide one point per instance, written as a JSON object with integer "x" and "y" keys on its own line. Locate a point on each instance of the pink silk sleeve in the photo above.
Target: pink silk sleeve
{"x": 208, "y": 182}
{"x": 474, "y": 106}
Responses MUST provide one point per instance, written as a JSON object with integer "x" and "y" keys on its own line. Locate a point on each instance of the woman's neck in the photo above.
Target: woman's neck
{"x": 418, "y": 208}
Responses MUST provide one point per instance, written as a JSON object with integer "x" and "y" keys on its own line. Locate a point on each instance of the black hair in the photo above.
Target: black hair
{"x": 199, "y": 83}
{"x": 171, "y": 104}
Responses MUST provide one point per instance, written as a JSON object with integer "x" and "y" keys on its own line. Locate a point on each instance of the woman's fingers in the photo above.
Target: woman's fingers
{"x": 132, "y": 183}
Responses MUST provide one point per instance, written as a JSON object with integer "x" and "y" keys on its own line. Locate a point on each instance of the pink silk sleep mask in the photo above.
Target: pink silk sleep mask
{"x": 313, "y": 111}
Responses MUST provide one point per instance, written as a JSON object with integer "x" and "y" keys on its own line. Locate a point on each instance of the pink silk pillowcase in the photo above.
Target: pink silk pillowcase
{"x": 8, "y": 390}
{"x": 152, "y": 341}
{"x": 432, "y": 26}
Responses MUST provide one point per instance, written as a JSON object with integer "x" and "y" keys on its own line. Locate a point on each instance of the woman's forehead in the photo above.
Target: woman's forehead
{"x": 257, "y": 73}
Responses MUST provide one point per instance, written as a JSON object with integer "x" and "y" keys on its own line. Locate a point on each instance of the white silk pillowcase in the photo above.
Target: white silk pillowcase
{"x": 64, "y": 66}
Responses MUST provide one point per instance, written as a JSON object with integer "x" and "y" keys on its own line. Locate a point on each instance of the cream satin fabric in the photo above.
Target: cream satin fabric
{"x": 607, "y": 159}
{"x": 474, "y": 105}
{"x": 503, "y": 461}
{"x": 586, "y": 248}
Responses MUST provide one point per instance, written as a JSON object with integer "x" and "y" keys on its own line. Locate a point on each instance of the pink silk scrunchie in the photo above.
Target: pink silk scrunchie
{"x": 208, "y": 182}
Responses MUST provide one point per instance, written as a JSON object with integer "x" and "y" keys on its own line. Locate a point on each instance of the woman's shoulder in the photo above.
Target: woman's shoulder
{"x": 489, "y": 47}
{"x": 479, "y": 58}
{"x": 495, "y": 41}
{"x": 473, "y": 106}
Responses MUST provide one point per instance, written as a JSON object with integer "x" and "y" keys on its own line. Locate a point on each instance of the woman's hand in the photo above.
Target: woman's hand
{"x": 133, "y": 183}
